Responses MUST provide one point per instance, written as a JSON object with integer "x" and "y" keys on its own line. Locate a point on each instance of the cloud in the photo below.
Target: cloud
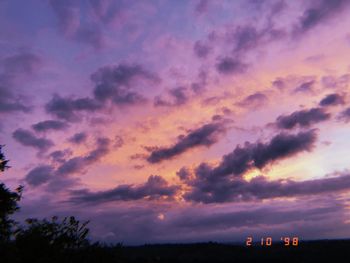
{"x": 68, "y": 108}
{"x": 155, "y": 188}
{"x": 106, "y": 10}
{"x": 78, "y": 138}
{"x": 345, "y": 115}
{"x": 79, "y": 163}
{"x": 60, "y": 176}
{"x": 8, "y": 102}
{"x": 91, "y": 35}
{"x": 255, "y": 100}
{"x": 15, "y": 68}
{"x": 273, "y": 214}
{"x": 305, "y": 87}
{"x": 60, "y": 156}
{"x": 116, "y": 83}
{"x": 279, "y": 83}
{"x": 331, "y": 100}
{"x": 202, "y": 6}
{"x": 22, "y": 63}
{"x": 70, "y": 24}
{"x": 255, "y": 155}
{"x": 303, "y": 118}
{"x": 68, "y": 15}
{"x": 27, "y": 138}
{"x": 320, "y": 11}
{"x": 201, "y": 50}
{"x": 205, "y": 135}
{"x": 39, "y": 175}
{"x": 245, "y": 38}
{"x": 49, "y": 125}
{"x": 228, "y": 65}
{"x": 259, "y": 188}
{"x": 335, "y": 82}
{"x": 178, "y": 97}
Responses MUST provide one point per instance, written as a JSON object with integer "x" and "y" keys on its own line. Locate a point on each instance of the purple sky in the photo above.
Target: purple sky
{"x": 179, "y": 121}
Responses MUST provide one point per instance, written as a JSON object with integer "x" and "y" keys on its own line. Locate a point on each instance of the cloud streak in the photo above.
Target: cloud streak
{"x": 206, "y": 135}
{"x": 259, "y": 188}
{"x": 303, "y": 118}
{"x": 155, "y": 188}
{"x": 27, "y": 138}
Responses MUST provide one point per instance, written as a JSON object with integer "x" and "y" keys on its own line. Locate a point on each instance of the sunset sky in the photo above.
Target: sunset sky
{"x": 179, "y": 121}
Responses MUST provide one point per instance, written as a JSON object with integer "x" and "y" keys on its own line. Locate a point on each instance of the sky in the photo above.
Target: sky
{"x": 179, "y": 121}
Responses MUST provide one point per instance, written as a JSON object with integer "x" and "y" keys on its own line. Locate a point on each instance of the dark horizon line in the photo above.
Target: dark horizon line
{"x": 233, "y": 243}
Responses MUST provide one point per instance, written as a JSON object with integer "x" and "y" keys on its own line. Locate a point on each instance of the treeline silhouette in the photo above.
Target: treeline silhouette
{"x": 66, "y": 240}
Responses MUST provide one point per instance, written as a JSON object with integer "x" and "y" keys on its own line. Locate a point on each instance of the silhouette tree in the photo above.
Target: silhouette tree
{"x": 8, "y": 203}
{"x": 69, "y": 233}
{"x": 3, "y": 161}
{"x": 47, "y": 239}
{"x": 38, "y": 240}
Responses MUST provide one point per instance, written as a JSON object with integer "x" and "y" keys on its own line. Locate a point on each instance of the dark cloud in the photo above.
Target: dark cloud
{"x": 118, "y": 141}
{"x": 317, "y": 13}
{"x": 245, "y": 38}
{"x": 279, "y": 83}
{"x": 106, "y": 11}
{"x": 255, "y": 155}
{"x": 78, "y": 138}
{"x": 61, "y": 183}
{"x": 228, "y": 65}
{"x": 60, "y": 156}
{"x": 138, "y": 156}
{"x": 259, "y": 188}
{"x": 305, "y": 87}
{"x": 335, "y": 82}
{"x": 20, "y": 65}
{"x": 252, "y": 217}
{"x": 332, "y": 99}
{"x": 201, "y": 50}
{"x": 184, "y": 174}
{"x": 68, "y": 14}
{"x": 59, "y": 177}
{"x": 9, "y": 102}
{"x": 177, "y": 96}
{"x": 202, "y": 6}
{"x": 136, "y": 224}
{"x": 155, "y": 188}
{"x": 24, "y": 62}
{"x": 116, "y": 83}
{"x": 198, "y": 87}
{"x": 345, "y": 115}
{"x": 73, "y": 165}
{"x": 303, "y": 118}
{"x": 49, "y": 125}
{"x": 39, "y": 175}
{"x": 255, "y": 100}
{"x": 27, "y": 138}
{"x": 206, "y": 135}
{"x": 225, "y": 182}
{"x": 79, "y": 163}
{"x": 68, "y": 108}
{"x": 91, "y": 35}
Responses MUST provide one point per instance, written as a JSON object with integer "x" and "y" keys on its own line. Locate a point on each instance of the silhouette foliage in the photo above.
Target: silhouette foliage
{"x": 8, "y": 203}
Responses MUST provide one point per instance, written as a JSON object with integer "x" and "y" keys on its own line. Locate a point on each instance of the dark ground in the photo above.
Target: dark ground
{"x": 312, "y": 251}
{"x": 315, "y": 251}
